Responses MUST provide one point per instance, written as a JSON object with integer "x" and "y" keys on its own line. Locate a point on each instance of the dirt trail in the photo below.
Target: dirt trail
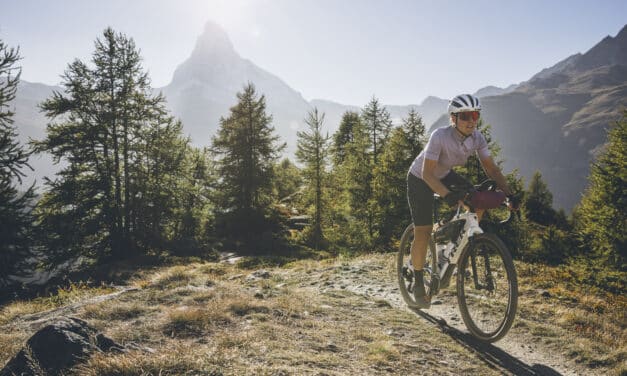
{"x": 518, "y": 353}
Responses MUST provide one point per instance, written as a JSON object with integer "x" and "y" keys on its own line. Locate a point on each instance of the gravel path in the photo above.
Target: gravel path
{"x": 518, "y": 353}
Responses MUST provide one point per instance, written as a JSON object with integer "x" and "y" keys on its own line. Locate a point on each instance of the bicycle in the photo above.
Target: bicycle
{"x": 486, "y": 281}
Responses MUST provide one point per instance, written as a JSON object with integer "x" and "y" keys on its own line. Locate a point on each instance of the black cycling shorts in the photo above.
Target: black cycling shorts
{"x": 420, "y": 196}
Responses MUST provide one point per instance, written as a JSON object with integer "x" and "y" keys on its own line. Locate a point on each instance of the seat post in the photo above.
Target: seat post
{"x": 436, "y": 206}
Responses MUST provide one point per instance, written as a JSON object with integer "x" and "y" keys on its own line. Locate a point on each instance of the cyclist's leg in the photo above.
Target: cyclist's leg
{"x": 419, "y": 246}
{"x": 420, "y": 198}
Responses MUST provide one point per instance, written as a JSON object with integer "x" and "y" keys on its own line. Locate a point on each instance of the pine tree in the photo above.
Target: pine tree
{"x": 15, "y": 219}
{"x": 538, "y": 201}
{"x": 110, "y": 131}
{"x": 602, "y": 212}
{"x": 344, "y": 135}
{"x": 389, "y": 183}
{"x": 415, "y": 131}
{"x": 246, "y": 150}
{"x": 312, "y": 152}
{"x": 377, "y": 123}
{"x": 288, "y": 181}
{"x": 161, "y": 178}
{"x": 355, "y": 176}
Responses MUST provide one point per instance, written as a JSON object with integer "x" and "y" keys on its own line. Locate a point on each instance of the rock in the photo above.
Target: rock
{"x": 258, "y": 274}
{"x": 57, "y": 347}
{"x": 545, "y": 294}
{"x": 107, "y": 344}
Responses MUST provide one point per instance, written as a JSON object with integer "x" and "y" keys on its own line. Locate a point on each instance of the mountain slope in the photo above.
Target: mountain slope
{"x": 31, "y": 124}
{"x": 556, "y": 121}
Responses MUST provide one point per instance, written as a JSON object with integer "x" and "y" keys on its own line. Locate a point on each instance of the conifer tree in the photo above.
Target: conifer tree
{"x": 538, "y": 201}
{"x": 602, "y": 213}
{"x": 313, "y": 152}
{"x": 344, "y": 135}
{"x": 288, "y": 180}
{"x": 355, "y": 175}
{"x": 121, "y": 150}
{"x": 415, "y": 131}
{"x": 389, "y": 183}
{"x": 15, "y": 219}
{"x": 377, "y": 123}
{"x": 246, "y": 149}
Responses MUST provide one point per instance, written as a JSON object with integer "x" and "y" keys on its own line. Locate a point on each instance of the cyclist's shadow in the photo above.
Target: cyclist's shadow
{"x": 489, "y": 353}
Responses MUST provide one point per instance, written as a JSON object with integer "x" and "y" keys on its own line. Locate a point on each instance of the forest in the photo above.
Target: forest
{"x": 133, "y": 187}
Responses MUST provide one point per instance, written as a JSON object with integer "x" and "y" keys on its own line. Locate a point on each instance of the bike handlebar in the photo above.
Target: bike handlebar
{"x": 489, "y": 185}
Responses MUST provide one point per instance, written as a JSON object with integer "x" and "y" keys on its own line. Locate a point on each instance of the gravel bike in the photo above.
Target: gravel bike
{"x": 487, "y": 287}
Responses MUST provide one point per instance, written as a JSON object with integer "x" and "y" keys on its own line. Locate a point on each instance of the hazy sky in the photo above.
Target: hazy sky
{"x": 342, "y": 50}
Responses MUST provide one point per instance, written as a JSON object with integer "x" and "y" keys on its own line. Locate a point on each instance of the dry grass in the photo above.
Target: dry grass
{"x": 120, "y": 311}
{"x": 73, "y": 293}
{"x": 587, "y": 324}
{"x": 173, "y": 359}
{"x": 293, "y": 329}
{"x": 209, "y": 319}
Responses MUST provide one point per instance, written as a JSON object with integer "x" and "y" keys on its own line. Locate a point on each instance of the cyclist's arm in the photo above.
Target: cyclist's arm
{"x": 428, "y": 176}
{"x": 494, "y": 172}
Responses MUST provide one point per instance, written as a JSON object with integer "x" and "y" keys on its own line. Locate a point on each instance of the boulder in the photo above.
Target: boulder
{"x": 58, "y": 347}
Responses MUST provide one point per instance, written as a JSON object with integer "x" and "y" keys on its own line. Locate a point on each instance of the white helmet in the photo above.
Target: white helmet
{"x": 463, "y": 103}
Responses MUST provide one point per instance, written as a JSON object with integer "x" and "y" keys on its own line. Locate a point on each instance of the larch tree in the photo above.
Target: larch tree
{"x": 246, "y": 150}
{"x": 312, "y": 151}
{"x": 15, "y": 206}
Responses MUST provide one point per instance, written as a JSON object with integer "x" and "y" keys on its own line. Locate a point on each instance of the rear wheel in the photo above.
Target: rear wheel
{"x": 487, "y": 288}
{"x": 403, "y": 261}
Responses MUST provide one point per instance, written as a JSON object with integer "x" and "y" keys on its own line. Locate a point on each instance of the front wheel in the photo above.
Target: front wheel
{"x": 405, "y": 274}
{"x": 487, "y": 287}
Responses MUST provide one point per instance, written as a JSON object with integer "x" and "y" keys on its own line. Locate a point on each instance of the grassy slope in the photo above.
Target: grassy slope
{"x": 210, "y": 317}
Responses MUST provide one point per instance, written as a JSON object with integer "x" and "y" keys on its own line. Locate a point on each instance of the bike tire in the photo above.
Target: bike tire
{"x": 486, "y": 260}
{"x": 405, "y": 279}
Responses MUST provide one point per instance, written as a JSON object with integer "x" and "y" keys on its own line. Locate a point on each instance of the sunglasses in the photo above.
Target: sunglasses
{"x": 468, "y": 115}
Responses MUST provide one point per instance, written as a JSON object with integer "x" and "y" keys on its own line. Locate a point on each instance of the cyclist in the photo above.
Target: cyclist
{"x": 431, "y": 172}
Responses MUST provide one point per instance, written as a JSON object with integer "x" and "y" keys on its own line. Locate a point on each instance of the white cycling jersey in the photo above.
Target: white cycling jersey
{"x": 449, "y": 148}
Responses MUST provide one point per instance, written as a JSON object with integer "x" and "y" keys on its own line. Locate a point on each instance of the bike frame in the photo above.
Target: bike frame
{"x": 471, "y": 228}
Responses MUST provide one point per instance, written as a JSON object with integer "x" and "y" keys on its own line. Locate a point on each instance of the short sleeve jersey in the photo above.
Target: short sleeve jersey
{"x": 449, "y": 148}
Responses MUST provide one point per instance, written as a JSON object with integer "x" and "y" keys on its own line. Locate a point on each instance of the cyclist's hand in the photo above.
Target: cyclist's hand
{"x": 514, "y": 202}
{"x": 452, "y": 198}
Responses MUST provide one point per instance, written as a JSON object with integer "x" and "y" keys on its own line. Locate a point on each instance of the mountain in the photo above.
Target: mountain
{"x": 556, "y": 122}
{"x": 204, "y": 87}
{"x": 489, "y": 91}
{"x": 430, "y": 109}
{"x": 31, "y": 124}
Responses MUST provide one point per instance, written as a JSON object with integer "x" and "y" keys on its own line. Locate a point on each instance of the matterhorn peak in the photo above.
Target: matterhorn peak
{"x": 214, "y": 41}
{"x": 211, "y": 60}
